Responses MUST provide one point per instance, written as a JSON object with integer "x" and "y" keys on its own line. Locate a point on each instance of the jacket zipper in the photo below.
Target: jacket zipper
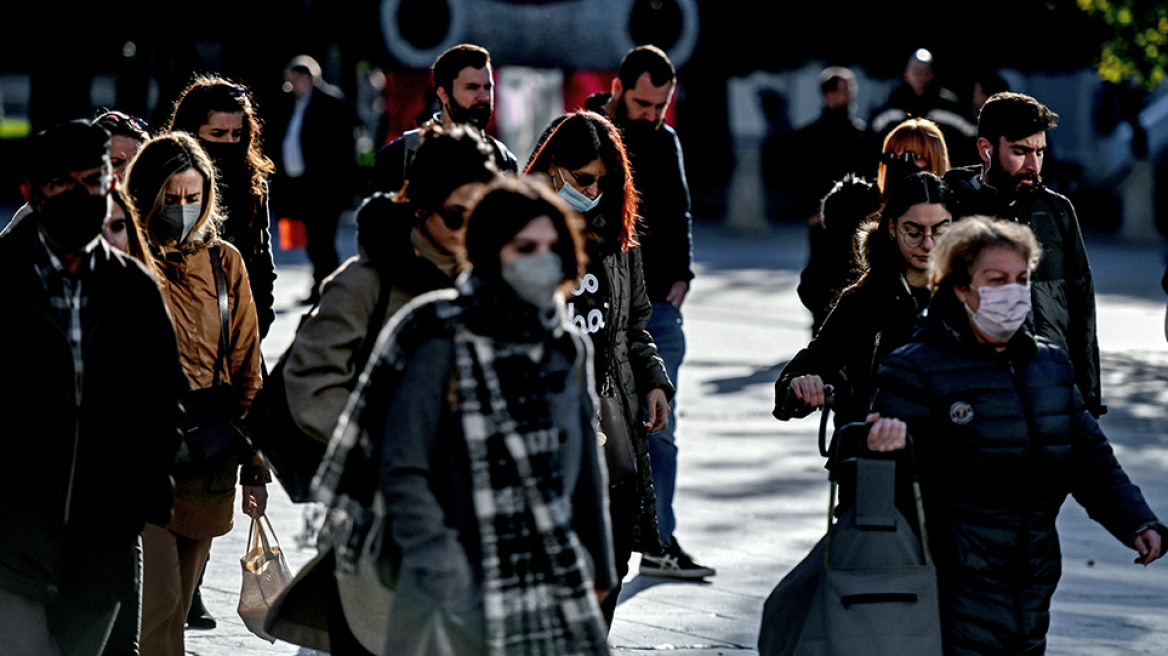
{"x": 1024, "y": 530}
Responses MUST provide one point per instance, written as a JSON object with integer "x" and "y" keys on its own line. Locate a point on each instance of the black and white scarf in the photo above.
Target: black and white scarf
{"x": 537, "y": 594}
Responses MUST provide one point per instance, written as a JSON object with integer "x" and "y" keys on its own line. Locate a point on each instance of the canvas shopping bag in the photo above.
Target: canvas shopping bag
{"x": 265, "y": 575}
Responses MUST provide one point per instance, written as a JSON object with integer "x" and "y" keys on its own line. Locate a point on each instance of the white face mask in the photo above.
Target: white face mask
{"x": 575, "y": 197}
{"x": 177, "y": 221}
{"x": 535, "y": 278}
{"x": 1002, "y": 311}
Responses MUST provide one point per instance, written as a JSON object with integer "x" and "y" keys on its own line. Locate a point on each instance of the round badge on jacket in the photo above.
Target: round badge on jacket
{"x": 961, "y": 413}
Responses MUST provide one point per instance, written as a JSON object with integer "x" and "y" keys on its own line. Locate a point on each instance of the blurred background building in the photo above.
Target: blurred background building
{"x": 748, "y": 77}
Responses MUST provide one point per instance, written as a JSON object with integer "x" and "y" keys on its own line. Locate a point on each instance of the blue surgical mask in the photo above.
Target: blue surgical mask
{"x": 177, "y": 220}
{"x": 576, "y": 198}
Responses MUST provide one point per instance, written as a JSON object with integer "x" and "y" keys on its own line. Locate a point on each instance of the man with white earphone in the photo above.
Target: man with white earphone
{"x": 1012, "y": 145}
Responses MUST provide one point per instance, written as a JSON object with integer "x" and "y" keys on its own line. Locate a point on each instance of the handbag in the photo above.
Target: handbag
{"x": 615, "y": 436}
{"x": 265, "y": 576}
{"x": 869, "y": 586}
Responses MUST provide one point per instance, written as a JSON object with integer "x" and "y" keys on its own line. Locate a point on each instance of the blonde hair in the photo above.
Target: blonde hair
{"x": 955, "y": 257}
{"x": 159, "y": 160}
{"x": 918, "y": 135}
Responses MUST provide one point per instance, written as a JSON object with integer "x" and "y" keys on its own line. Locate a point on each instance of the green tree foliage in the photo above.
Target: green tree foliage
{"x": 1135, "y": 46}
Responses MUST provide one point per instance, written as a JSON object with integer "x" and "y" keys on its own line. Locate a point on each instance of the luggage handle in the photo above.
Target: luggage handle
{"x": 909, "y": 447}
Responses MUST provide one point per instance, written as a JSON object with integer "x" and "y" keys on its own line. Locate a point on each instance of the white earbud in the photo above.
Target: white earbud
{"x": 987, "y": 153}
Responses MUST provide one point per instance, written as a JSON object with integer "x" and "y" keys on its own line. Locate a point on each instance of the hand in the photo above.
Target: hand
{"x": 1149, "y": 545}
{"x": 255, "y": 500}
{"x": 658, "y": 411}
{"x": 810, "y": 389}
{"x": 886, "y": 434}
{"x": 677, "y": 293}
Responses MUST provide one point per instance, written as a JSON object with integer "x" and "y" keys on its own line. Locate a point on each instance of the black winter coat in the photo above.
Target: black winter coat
{"x": 831, "y": 261}
{"x": 1001, "y": 440}
{"x": 79, "y": 481}
{"x": 634, "y": 368}
{"x": 869, "y": 321}
{"x": 1062, "y": 289}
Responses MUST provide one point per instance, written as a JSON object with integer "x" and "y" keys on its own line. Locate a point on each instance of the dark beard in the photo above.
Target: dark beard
{"x": 477, "y": 115}
{"x": 1011, "y": 186}
{"x": 626, "y": 125}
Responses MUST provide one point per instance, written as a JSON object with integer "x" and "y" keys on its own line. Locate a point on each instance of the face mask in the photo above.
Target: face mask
{"x": 176, "y": 221}
{"x": 576, "y": 198}
{"x": 535, "y": 278}
{"x": 229, "y": 158}
{"x": 72, "y": 219}
{"x": 1002, "y": 310}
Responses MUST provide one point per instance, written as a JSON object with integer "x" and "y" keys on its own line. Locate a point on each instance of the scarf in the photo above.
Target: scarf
{"x": 537, "y": 595}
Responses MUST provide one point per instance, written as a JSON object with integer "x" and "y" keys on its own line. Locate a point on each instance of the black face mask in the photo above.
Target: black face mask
{"x": 72, "y": 219}
{"x": 229, "y": 158}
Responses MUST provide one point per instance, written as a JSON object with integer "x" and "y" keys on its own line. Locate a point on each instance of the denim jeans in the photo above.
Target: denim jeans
{"x": 665, "y": 327}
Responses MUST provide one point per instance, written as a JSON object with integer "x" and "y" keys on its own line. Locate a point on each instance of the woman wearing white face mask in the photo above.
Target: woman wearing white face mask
{"x": 1002, "y": 436}
{"x": 479, "y": 399}
{"x": 171, "y": 184}
{"x": 583, "y": 157}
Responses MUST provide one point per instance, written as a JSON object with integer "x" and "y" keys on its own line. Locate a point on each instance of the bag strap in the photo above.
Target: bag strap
{"x": 256, "y": 535}
{"x": 224, "y": 311}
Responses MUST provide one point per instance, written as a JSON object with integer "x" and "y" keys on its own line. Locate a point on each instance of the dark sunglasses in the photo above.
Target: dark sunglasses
{"x": 451, "y": 217}
{"x": 586, "y": 179}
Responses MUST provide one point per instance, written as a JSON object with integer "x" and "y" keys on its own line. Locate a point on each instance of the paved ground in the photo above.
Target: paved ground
{"x": 752, "y": 494}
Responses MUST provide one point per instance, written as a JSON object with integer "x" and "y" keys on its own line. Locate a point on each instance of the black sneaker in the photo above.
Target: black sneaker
{"x": 199, "y": 617}
{"x": 674, "y": 563}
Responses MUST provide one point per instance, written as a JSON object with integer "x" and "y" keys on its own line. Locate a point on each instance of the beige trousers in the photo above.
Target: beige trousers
{"x": 171, "y": 567}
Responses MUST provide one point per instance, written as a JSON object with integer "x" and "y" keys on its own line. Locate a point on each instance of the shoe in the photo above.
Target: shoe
{"x": 199, "y": 617}
{"x": 675, "y": 564}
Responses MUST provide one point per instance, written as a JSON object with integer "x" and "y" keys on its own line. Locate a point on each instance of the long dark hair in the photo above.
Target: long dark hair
{"x": 212, "y": 93}
{"x": 574, "y": 140}
{"x": 876, "y": 252}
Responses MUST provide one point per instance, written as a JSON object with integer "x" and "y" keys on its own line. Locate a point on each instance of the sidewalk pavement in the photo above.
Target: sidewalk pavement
{"x": 752, "y": 492}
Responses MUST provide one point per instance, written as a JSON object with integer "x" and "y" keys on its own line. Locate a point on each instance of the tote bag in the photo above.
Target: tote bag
{"x": 265, "y": 575}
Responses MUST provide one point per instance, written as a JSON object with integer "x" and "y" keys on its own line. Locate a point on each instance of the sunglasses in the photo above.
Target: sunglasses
{"x": 452, "y": 218}
{"x": 586, "y": 179}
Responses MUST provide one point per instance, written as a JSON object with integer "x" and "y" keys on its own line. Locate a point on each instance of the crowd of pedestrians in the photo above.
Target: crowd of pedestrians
{"x": 491, "y": 379}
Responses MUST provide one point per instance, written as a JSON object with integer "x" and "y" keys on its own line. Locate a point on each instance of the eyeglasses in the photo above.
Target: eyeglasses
{"x": 914, "y": 238}
{"x": 586, "y": 179}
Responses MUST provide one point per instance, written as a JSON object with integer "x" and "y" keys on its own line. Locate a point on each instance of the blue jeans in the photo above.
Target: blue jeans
{"x": 665, "y": 327}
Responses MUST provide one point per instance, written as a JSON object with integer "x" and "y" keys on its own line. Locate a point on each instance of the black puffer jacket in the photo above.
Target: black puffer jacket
{"x": 1062, "y": 289}
{"x": 869, "y": 322}
{"x": 1001, "y": 440}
